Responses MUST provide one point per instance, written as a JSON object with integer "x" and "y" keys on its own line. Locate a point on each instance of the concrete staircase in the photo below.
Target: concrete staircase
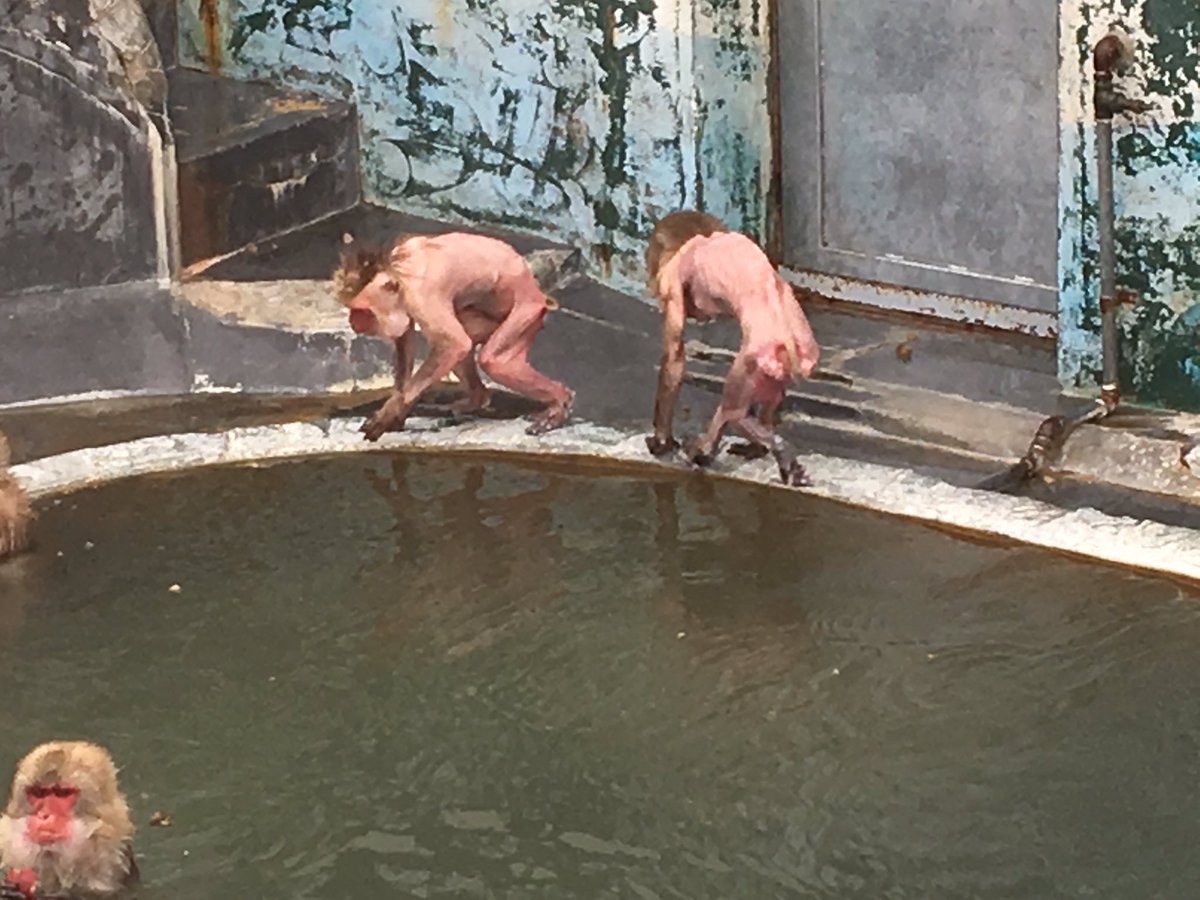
{"x": 256, "y": 160}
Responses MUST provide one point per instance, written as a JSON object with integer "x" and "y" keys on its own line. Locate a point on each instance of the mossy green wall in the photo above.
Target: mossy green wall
{"x": 581, "y": 120}
{"x": 1157, "y": 195}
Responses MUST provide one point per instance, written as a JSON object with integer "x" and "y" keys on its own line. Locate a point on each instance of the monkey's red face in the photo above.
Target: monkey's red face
{"x": 51, "y": 813}
{"x": 378, "y": 308}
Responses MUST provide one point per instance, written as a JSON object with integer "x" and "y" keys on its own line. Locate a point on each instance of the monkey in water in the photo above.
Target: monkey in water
{"x": 464, "y": 291}
{"x": 15, "y": 511}
{"x": 65, "y": 833}
{"x": 700, "y": 270}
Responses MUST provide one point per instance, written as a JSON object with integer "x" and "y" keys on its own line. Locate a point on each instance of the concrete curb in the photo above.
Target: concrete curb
{"x": 1086, "y": 533}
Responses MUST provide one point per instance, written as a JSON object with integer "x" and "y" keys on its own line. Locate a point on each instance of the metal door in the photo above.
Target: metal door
{"x": 919, "y": 145}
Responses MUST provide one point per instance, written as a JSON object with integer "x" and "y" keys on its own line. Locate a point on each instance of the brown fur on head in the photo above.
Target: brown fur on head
{"x": 15, "y": 510}
{"x": 100, "y": 860}
{"x": 670, "y": 233}
{"x": 360, "y": 263}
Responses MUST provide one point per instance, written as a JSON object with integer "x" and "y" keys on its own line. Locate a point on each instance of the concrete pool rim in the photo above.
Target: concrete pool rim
{"x": 1083, "y": 533}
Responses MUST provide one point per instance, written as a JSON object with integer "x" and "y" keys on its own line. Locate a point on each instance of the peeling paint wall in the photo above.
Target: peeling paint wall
{"x": 580, "y": 120}
{"x": 1157, "y": 191}
{"x": 76, "y": 160}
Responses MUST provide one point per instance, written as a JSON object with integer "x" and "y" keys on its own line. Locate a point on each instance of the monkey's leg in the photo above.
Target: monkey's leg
{"x": 446, "y": 350}
{"x": 476, "y": 396}
{"x": 670, "y": 365}
{"x": 753, "y": 449}
{"x": 505, "y": 357}
{"x": 736, "y": 398}
{"x": 790, "y": 471}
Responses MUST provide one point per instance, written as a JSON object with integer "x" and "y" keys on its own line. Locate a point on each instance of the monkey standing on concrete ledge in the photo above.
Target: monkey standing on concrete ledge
{"x": 700, "y": 270}
{"x": 464, "y": 291}
{"x": 15, "y": 511}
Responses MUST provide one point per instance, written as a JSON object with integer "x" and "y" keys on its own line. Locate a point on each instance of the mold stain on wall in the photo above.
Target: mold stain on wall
{"x": 1157, "y": 195}
{"x": 580, "y": 120}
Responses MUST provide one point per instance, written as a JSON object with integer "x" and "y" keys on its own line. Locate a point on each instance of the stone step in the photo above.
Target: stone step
{"x": 256, "y": 160}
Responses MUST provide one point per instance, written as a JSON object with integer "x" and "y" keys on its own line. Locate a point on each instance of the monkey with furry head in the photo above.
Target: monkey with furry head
{"x": 66, "y": 833}
{"x": 700, "y": 270}
{"x": 15, "y": 511}
{"x": 464, "y": 292}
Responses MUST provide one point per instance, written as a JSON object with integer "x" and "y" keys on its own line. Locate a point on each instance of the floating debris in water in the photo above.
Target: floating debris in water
{"x": 160, "y": 820}
{"x": 174, "y": 589}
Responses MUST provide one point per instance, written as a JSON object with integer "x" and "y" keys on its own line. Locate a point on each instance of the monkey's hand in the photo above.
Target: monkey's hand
{"x": 661, "y": 446}
{"x": 699, "y": 454}
{"x": 389, "y": 417}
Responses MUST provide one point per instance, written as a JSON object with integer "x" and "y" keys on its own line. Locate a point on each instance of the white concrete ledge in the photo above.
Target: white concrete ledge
{"x": 1086, "y": 533}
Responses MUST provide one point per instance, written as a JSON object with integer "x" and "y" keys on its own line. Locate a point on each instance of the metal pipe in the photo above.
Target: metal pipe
{"x": 1112, "y": 54}
{"x": 1110, "y": 388}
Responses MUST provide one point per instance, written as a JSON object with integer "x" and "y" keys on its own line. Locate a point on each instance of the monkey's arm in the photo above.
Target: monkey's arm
{"x": 670, "y": 371}
{"x": 404, "y": 358}
{"x": 449, "y": 343}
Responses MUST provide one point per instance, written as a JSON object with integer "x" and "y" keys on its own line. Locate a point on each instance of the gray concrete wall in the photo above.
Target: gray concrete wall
{"x": 77, "y": 198}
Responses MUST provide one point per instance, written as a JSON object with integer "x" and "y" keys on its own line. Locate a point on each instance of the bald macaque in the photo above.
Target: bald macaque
{"x": 66, "y": 831}
{"x": 464, "y": 291}
{"x": 15, "y": 511}
{"x": 700, "y": 270}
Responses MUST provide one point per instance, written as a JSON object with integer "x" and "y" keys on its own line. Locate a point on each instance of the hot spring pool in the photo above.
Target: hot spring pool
{"x": 407, "y": 676}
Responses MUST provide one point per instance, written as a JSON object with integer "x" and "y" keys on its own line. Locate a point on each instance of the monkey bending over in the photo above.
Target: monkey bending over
{"x": 66, "y": 832}
{"x": 700, "y": 270}
{"x": 463, "y": 291}
{"x": 15, "y": 510}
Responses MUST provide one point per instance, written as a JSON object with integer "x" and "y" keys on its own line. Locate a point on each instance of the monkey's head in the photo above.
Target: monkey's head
{"x": 66, "y": 818}
{"x": 365, "y": 284}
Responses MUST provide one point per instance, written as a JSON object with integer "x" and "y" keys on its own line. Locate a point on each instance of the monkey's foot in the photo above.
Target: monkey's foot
{"x": 659, "y": 446}
{"x": 697, "y": 453}
{"x": 795, "y": 475}
{"x": 471, "y": 403}
{"x": 555, "y": 416}
{"x": 749, "y": 450}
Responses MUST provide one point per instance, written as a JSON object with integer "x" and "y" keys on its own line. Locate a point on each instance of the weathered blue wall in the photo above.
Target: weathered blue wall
{"x": 1157, "y": 190}
{"x": 582, "y": 120}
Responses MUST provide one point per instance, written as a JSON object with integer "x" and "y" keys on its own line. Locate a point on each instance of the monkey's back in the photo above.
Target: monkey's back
{"x": 670, "y": 233}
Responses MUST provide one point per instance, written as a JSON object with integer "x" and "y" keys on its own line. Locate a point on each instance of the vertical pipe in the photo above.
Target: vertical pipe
{"x": 1108, "y": 276}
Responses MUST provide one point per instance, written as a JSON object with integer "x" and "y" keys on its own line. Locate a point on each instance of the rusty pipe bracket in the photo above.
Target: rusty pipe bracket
{"x": 1108, "y": 102}
{"x": 1123, "y": 297}
{"x": 1113, "y": 54}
